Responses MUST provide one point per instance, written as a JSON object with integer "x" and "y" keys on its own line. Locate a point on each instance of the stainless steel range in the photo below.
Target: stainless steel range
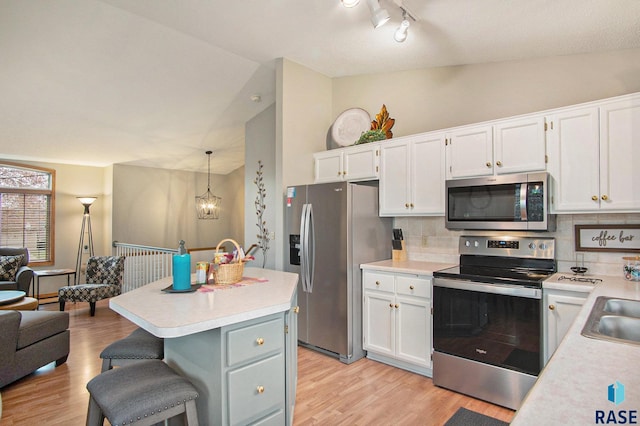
{"x": 487, "y": 317}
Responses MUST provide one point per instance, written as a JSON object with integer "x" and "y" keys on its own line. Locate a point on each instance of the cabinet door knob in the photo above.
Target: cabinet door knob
{"x": 296, "y": 310}
{"x": 377, "y": 282}
{"x": 605, "y": 198}
{"x": 411, "y": 287}
{"x": 397, "y": 306}
{"x": 552, "y": 307}
{"x": 406, "y": 205}
{"x": 488, "y": 164}
{"x": 344, "y": 173}
{"x": 260, "y": 389}
{"x": 339, "y": 173}
{"x": 260, "y": 341}
{"x": 498, "y": 163}
{"x": 391, "y": 305}
{"x": 594, "y": 198}
{"x": 411, "y": 205}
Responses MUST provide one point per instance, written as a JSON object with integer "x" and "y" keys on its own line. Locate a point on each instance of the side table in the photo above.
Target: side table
{"x": 50, "y": 273}
{"x": 24, "y": 304}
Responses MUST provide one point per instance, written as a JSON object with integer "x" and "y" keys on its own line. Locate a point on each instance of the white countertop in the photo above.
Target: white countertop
{"x": 180, "y": 314}
{"x": 568, "y": 281}
{"x": 407, "y": 266}
{"x": 574, "y": 383}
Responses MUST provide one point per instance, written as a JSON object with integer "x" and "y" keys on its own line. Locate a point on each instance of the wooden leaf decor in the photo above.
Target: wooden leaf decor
{"x": 383, "y": 122}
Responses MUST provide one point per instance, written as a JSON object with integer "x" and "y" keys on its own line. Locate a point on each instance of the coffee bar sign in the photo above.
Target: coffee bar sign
{"x": 624, "y": 238}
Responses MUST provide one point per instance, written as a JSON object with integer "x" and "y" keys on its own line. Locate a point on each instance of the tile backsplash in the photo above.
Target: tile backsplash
{"x": 427, "y": 239}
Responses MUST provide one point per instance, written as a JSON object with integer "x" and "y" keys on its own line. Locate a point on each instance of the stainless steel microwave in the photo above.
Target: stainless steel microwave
{"x": 517, "y": 202}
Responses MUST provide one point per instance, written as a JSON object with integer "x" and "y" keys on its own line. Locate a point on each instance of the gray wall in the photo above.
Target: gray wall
{"x": 260, "y": 142}
{"x": 156, "y": 207}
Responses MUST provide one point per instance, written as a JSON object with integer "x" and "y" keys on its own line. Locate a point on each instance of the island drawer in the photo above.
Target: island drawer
{"x": 255, "y": 341}
{"x": 256, "y": 390}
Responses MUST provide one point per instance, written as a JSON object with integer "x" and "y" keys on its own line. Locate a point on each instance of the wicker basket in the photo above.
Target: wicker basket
{"x": 229, "y": 273}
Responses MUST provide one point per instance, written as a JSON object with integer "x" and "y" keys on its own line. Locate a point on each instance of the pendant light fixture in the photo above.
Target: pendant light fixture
{"x": 207, "y": 204}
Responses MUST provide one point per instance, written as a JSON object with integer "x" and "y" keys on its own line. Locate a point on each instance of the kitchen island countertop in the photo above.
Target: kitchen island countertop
{"x": 407, "y": 266}
{"x": 180, "y": 314}
{"x": 574, "y": 384}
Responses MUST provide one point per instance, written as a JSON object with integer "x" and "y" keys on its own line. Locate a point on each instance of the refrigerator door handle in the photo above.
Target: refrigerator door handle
{"x": 311, "y": 249}
{"x": 303, "y": 245}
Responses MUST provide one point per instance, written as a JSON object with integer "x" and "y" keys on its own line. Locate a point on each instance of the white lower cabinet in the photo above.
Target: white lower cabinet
{"x": 397, "y": 319}
{"x": 559, "y": 311}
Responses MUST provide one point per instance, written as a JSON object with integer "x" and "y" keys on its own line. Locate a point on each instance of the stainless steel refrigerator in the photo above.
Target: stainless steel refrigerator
{"x": 330, "y": 230}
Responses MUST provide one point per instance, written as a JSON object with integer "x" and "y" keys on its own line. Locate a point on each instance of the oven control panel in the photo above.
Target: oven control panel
{"x": 502, "y": 244}
{"x": 534, "y": 247}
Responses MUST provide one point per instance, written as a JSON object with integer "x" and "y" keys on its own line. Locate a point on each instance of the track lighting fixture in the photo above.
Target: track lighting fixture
{"x": 350, "y": 3}
{"x": 379, "y": 16}
{"x": 403, "y": 30}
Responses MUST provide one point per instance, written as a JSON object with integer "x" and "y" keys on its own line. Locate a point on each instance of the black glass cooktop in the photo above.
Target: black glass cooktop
{"x": 496, "y": 270}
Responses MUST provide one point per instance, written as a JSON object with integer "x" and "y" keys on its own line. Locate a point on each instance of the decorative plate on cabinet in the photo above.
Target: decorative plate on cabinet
{"x": 349, "y": 125}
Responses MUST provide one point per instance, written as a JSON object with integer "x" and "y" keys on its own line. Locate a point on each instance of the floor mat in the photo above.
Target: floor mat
{"x": 464, "y": 417}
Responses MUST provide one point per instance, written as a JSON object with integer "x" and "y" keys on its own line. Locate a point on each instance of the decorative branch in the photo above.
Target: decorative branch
{"x": 263, "y": 234}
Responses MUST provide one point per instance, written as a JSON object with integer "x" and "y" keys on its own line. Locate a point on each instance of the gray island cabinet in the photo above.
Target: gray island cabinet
{"x": 237, "y": 345}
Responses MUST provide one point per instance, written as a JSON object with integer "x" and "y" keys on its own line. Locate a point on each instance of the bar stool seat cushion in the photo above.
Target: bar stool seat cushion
{"x": 138, "y": 345}
{"x": 140, "y": 392}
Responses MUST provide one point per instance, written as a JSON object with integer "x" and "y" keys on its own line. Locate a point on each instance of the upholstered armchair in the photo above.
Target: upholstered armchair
{"x": 14, "y": 272}
{"x": 104, "y": 279}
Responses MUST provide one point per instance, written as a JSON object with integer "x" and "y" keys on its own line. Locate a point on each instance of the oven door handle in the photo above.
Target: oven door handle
{"x": 507, "y": 290}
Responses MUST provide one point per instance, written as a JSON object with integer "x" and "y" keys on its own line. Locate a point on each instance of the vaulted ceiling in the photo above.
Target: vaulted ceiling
{"x": 157, "y": 82}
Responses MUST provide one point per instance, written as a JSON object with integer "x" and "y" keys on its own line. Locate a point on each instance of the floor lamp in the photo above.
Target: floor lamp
{"x": 86, "y": 224}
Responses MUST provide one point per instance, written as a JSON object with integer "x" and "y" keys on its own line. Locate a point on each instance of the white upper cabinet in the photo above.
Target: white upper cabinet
{"x": 591, "y": 152}
{"x": 592, "y": 155}
{"x": 519, "y": 145}
{"x": 620, "y": 155}
{"x": 412, "y": 176}
{"x": 355, "y": 163}
{"x": 470, "y": 152}
{"x": 573, "y": 159}
{"x": 506, "y": 146}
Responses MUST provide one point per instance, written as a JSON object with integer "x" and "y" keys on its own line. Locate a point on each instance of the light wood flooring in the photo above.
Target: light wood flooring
{"x": 329, "y": 392}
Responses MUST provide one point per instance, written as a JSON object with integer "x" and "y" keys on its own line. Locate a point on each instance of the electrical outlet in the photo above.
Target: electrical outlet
{"x": 272, "y": 236}
{"x": 425, "y": 241}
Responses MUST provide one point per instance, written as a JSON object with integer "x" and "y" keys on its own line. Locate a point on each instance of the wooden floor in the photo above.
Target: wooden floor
{"x": 329, "y": 392}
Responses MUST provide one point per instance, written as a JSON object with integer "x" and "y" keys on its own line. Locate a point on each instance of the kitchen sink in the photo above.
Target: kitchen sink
{"x": 615, "y": 320}
{"x": 624, "y": 328}
{"x": 624, "y": 307}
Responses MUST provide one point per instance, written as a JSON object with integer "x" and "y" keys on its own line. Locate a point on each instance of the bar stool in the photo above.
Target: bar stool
{"x": 137, "y": 346}
{"x": 141, "y": 394}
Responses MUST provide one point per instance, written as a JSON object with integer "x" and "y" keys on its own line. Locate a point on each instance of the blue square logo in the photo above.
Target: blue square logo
{"x": 615, "y": 392}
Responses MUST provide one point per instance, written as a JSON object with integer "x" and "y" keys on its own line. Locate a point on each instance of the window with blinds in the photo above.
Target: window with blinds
{"x": 26, "y": 210}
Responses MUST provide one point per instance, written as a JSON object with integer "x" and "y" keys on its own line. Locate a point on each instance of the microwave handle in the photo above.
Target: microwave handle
{"x": 523, "y": 202}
